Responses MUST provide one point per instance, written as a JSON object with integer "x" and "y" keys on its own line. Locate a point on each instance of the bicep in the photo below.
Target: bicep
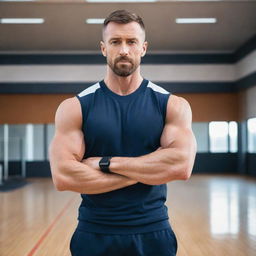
{"x": 68, "y": 141}
{"x": 177, "y": 132}
{"x": 67, "y": 146}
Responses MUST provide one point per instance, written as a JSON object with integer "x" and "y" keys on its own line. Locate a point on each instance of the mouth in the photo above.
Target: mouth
{"x": 124, "y": 61}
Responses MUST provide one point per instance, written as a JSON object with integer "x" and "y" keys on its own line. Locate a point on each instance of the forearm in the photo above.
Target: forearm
{"x": 158, "y": 167}
{"x": 79, "y": 177}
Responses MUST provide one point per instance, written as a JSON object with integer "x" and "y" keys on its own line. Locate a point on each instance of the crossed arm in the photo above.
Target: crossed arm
{"x": 172, "y": 161}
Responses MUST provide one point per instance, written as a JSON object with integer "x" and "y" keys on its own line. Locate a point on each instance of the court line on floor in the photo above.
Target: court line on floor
{"x": 48, "y": 230}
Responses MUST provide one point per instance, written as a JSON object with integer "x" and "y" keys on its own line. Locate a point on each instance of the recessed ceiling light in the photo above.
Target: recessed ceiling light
{"x": 195, "y": 20}
{"x": 195, "y": 0}
{"x": 21, "y": 21}
{"x": 121, "y": 1}
{"x": 95, "y": 21}
{"x": 19, "y": 0}
{"x": 147, "y": 1}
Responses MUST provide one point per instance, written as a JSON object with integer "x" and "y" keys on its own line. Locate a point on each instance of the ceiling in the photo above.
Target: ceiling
{"x": 65, "y": 31}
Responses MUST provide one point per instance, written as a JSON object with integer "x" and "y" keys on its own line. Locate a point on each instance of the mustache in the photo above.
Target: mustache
{"x": 123, "y": 58}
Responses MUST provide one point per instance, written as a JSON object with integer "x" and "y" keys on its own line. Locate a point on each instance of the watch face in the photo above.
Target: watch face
{"x": 104, "y": 162}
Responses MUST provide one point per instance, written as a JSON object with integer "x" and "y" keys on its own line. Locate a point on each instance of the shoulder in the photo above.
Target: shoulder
{"x": 69, "y": 113}
{"x": 179, "y": 110}
{"x": 68, "y": 104}
{"x": 178, "y": 102}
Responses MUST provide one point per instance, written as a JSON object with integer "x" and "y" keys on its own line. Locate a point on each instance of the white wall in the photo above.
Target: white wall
{"x": 165, "y": 73}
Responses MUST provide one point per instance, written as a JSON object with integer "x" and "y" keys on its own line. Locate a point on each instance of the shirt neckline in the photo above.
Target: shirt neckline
{"x": 129, "y": 96}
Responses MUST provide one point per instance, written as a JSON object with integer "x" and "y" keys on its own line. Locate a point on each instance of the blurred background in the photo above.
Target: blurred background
{"x": 204, "y": 51}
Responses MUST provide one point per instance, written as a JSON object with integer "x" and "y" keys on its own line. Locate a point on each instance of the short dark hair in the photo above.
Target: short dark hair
{"x": 123, "y": 17}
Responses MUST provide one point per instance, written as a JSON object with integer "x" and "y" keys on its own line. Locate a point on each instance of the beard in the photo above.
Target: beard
{"x": 123, "y": 69}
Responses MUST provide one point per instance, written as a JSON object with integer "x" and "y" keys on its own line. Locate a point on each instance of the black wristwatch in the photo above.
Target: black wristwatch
{"x": 104, "y": 164}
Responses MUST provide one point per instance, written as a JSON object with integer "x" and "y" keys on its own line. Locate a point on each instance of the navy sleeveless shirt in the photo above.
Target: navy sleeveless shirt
{"x": 128, "y": 126}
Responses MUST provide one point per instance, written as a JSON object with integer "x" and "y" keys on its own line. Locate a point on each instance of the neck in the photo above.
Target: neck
{"x": 123, "y": 85}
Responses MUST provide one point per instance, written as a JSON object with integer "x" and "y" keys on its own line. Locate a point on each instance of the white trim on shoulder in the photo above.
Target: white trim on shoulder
{"x": 157, "y": 88}
{"x": 89, "y": 90}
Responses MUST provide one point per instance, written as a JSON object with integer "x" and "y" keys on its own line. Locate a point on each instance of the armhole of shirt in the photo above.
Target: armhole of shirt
{"x": 165, "y": 106}
{"x": 82, "y": 111}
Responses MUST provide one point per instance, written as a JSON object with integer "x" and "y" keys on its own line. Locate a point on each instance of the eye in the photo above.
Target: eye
{"x": 132, "y": 42}
{"x": 114, "y": 42}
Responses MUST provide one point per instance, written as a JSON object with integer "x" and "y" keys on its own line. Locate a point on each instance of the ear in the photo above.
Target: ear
{"x": 103, "y": 48}
{"x": 144, "y": 48}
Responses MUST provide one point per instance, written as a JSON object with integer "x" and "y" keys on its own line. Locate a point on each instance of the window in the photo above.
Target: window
{"x": 16, "y": 147}
{"x": 218, "y": 132}
{"x": 201, "y": 133}
{"x": 223, "y": 137}
{"x": 24, "y": 142}
{"x": 233, "y": 137}
{"x": 50, "y": 134}
{"x": 251, "y": 128}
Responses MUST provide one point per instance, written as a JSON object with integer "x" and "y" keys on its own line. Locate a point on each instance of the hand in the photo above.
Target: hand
{"x": 93, "y": 162}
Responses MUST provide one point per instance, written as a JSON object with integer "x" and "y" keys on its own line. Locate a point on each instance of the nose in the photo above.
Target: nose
{"x": 124, "y": 50}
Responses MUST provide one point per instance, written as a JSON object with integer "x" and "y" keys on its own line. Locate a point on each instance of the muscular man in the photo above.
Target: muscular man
{"x": 118, "y": 143}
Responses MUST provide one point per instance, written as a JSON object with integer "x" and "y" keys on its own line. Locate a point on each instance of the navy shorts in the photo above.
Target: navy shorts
{"x": 157, "y": 243}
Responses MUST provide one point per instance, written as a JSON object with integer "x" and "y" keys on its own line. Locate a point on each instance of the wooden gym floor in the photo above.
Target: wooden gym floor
{"x": 211, "y": 216}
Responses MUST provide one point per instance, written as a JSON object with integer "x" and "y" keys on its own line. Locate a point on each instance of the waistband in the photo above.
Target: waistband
{"x": 111, "y": 229}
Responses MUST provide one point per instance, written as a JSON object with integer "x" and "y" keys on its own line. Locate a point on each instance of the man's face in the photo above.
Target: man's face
{"x": 123, "y": 45}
